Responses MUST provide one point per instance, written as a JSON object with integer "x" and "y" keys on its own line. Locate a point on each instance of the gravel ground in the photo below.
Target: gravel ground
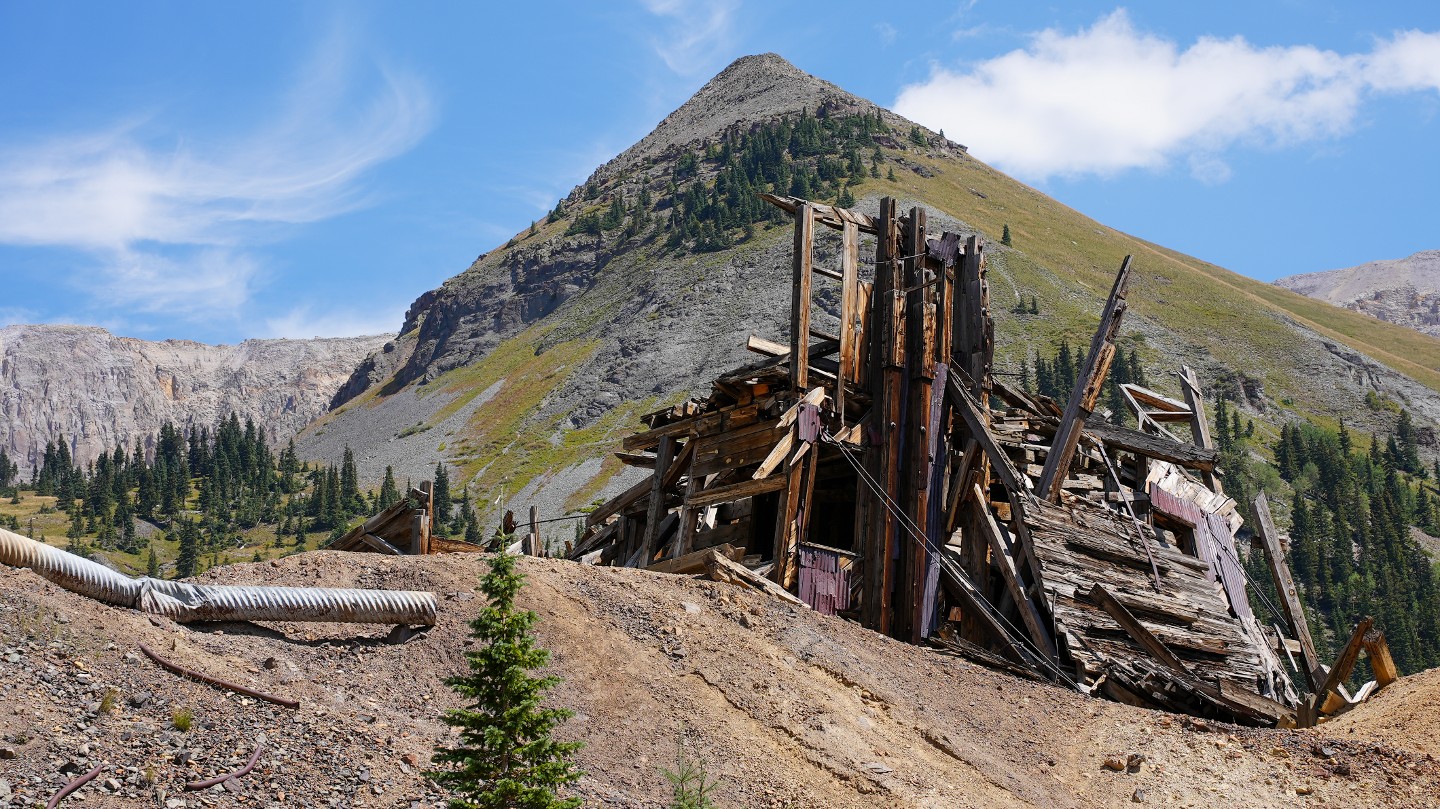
{"x": 786, "y": 708}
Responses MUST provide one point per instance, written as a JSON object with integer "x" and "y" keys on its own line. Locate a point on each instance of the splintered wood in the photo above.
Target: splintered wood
{"x": 881, "y": 473}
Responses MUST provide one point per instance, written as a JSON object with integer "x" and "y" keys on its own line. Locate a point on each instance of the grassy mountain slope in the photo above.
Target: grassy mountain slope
{"x": 643, "y": 284}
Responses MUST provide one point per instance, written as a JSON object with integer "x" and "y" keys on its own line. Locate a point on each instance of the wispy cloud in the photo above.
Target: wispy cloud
{"x": 886, "y": 32}
{"x": 1111, "y": 98}
{"x": 302, "y": 323}
{"x": 700, "y": 32}
{"x": 170, "y": 220}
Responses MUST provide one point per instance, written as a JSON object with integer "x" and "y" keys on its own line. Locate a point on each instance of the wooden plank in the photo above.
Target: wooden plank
{"x": 664, "y": 457}
{"x": 777, "y": 455}
{"x": 975, "y": 606}
{"x": 800, "y": 296}
{"x": 618, "y": 502}
{"x": 849, "y": 302}
{"x": 769, "y": 348}
{"x": 532, "y": 544}
{"x": 1380, "y": 660}
{"x": 736, "y": 491}
{"x": 1137, "y": 630}
{"x": 887, "y": 385}
{"x": 1199, "y": 422}
{"x": 785, "y": 522}
{"x": 723, "y": 570}
{"x": 1087, "y": 389}
{"x": 1344, "y": 664}
{"x": 1123, "y": 438}
{"x": 1289, "y": 596}
{"x": 379, "y": 545}
{"x": 1005, "y": 561}
{"x": 970, "y": 410}
{"x": 827, "y": 215}
{"x": 694, "y": 562}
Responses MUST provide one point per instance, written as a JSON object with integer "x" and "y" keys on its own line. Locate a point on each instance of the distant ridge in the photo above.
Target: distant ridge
{"x": 1405, "y": 291}
{"x": 96, "y": 388}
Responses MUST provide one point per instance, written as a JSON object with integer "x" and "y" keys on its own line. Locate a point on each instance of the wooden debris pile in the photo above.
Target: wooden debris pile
{"x": 402, "y": 529}
{"x": 889, "y": 477}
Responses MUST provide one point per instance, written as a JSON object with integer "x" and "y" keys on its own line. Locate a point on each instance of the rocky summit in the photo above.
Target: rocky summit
{"x": 96, "y": 389}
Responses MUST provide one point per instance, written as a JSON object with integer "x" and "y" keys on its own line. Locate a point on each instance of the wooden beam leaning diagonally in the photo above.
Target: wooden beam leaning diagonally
{"x": 1344, "y": 664}
{"x": 1005, "y": 560}
{"x": 1289, "y": 596}
{"x": 1087, "y": 389}
{"x": 800, "y": 296}
{"x": 1136, "y": 630}
{"x": 970, "y": 410}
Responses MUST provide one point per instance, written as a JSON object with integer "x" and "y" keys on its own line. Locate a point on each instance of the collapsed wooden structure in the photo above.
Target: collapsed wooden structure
{"x": 875, "y": 477}
{"x": 404, "y": 528}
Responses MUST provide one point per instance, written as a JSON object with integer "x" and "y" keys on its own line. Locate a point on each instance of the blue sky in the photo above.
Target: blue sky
{"x": 218, "y": 171}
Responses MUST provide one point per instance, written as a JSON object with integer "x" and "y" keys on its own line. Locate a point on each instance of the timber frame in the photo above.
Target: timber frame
{"x": 890, "y": 478}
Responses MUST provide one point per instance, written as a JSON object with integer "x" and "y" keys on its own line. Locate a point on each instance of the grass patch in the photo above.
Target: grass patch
{"x": 181, "y": 719}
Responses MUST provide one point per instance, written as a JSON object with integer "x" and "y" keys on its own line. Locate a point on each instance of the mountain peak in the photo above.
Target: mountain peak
{"x": 752, "y": 89}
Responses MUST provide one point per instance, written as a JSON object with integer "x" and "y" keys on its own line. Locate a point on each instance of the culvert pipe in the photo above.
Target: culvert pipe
{"x": 185, "y": 602}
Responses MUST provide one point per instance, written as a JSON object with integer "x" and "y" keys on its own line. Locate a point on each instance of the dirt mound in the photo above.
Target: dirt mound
{"x": 787, "y": 708}
{"x": 1402, "y": 715}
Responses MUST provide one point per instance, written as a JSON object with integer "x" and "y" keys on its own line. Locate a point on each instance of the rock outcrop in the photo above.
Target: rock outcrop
{"x": 1405, "y": 291}
{"x": 96, "y": 389}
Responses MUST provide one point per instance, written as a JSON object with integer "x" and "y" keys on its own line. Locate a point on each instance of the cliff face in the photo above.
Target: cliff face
{"x": 1405, "y": 291}
{"x": 97, "y": 389}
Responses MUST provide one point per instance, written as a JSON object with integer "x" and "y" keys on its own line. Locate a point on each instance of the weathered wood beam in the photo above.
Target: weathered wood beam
{"x": 736, "y": 491}
{"x": 800, "y": 296}
{"x": 694, "y": 562}
{"x": 827, "y": 215}
{"x": 849, "y": 317}
{"x": 1199, "y": 423}
{"x": 1289, "y": 596}
{"x": 970, "y": 411}
{"x": 618, "y": 502}
{"x": 1123, "y": 438}
{"x": 1005, "y": 560}
{"x": 664, "y": 457}
{"x": 1380, "y": 660}
{"x": 1088, "y": 385}
{"x": 1137, "y": 631}
{"x": 1344, "y": 664}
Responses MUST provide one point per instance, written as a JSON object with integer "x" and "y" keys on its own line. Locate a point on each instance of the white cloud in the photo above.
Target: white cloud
{"x": 302, "y": 323}
{"x": 1111, "y": 98}
{"x": 170, "y": 223}
{"x": 886, "y": 32}
{"x": 701, "y": 31}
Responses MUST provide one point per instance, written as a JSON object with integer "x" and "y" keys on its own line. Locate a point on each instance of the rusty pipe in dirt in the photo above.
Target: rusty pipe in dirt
{"x": 216, "y": 681}
{"x": 186, "y": 602}
{"x": 72, "y": 786}
{"x": 220, "y": 779}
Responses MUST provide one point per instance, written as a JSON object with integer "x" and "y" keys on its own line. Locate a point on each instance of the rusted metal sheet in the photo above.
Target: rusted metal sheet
{"x": 825, "y": 579}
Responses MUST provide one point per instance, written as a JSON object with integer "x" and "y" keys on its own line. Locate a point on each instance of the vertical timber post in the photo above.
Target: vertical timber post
{"x": 800, "y": 298}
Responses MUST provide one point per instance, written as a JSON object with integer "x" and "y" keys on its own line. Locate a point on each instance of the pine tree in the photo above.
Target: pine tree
{"x": 152, "y": 564}
{"x": 506, "y": 758}
{"x": 441, "y": 493}
{"x": 189, "y": 549}
{"x": 1005, "y": 236}
{"x": 389, "y": 495}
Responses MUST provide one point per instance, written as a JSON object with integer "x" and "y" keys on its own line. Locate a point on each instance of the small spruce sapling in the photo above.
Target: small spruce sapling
{"x": 506, "y": 758}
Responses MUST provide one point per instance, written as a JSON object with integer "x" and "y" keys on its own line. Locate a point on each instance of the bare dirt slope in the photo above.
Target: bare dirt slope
{"x": 788, "y": 708}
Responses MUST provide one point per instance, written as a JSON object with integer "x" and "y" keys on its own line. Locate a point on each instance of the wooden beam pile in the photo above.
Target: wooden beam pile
{"x": 878, "y": 471}
{"x": 402, "y": 529}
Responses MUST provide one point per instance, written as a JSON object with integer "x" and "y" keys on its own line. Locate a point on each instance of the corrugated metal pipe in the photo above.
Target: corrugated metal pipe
{"x": 211, "y": 602}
